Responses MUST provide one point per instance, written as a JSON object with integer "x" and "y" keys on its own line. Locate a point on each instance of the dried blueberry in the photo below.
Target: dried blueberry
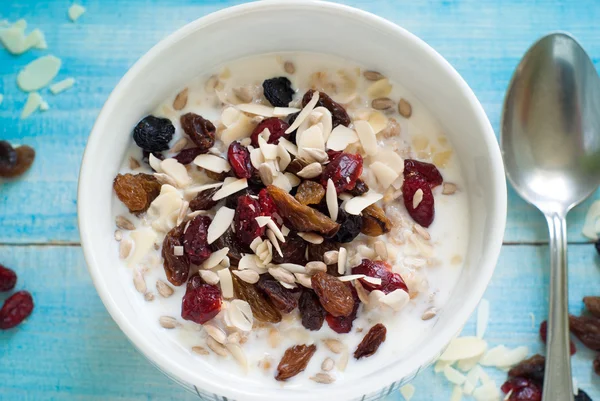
{"x": 350, "y": 227}
{"x": 153, "y": 134}
{"x": 278, "y": 91}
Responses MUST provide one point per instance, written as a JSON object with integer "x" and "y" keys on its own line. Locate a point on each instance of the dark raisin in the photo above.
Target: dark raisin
{"x": 153, "y": 134}
{"x": 338, "y": 113}
{"x": 333, "y": 294}
{"x": 276, "y": 129}
{"x": 177, "y": 268}
{"x": 295, "y": 359}
{"x": 278, "y": 91}
{"x": 582, "y": 396}
{"x": 316, "y": 251}
{"x": 296, "y": 165}
{"x": 283, "y": 299}
{"x": 290, "y": 120}
{"x": 244, "y": 222}
{"x": 587, "y": 330}
{"x": 195, "y": 243}
{"x": 217, "y": 176}
{"x": 24, "y": 159}
{"x": 232, "y": 200}
{"x": 311, "y": 310}
{"x": 350, "y": 226}
{"x": 360, "y": 188}
{"x": 293, "y": 250}
{"x": 200, "y": 130}
{"x": 201, "y": 301}
{"x": 8, "y": 279}
{"x": 146, "y": 156}
{"x": 544, "y": 337}
{"x": 424, "y": 213}
{"x": 204, "y": 200}
{"x": 390, "y": 281}
{"x": 344, "y": 171}
{"x": 186, "y": 156}
{"x": 343, "y": 324}
{"x": 371, "y": 342}
{"x": 426, "y": 170}
{"x": 592, "y": 304}
{"x": 15, "y": 309}
{"x": 136, "y": 191}
{"x": 532, "y": 368}
{"x": 239, "y": 159}
{"x": 236, "y": 249}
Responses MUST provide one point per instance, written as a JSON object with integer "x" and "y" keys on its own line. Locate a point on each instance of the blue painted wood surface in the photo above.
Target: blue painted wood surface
{"x": 70, "y": 349}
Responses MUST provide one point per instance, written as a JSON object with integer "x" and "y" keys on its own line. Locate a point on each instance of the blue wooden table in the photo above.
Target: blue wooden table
{"x": 70, "y": 349}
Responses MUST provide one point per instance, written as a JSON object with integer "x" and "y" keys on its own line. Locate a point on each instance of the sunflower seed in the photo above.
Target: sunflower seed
{"x": 429, "y": 314}
{"x": 168, "y": 322}
{"x": 181, "y": 100}
{"x": 243, "y": 94}
{"x": 249, "y": 276}
{"x": 316, "y": 266}
{"x": 311, "y": 171}
{"x": 134, "y": 163}
{"x": 363, "y": 295}
{"x": 419, "y": 230}
{"x": 211, "y": 84}
{"x": 373, "y": 75}
{"x": 289, "y": 67}
{"x": 327, "y": 364}
{"x": 149, "y": 297}
{"x": 217, "y": 348}
{"x": 323, "y": 378}
{"x": 234, "y": 338}
{"x": 118, "y": 235}
{"x": 382, "y": 103}
{"x": 303, "y": 279}
{"x": 139, "y": 282}
{"x": 381, "y": 249}
{"x": 216, "y": 333}
{"x": 404, "y": 108}
{"x": 318, "y": 155}
{"x": 164, "y": 289}
{"x": 238, "y": 354}
{"x": 282, "y": 275}
{"x": 335, "y": 346}
{"x": 124, "y": 223}
{"x": 330, "y": 257}
{"x": 274, "y": 338}
{"x": 179, "y": 145}
{"x": 200, "y": 350}
{"x": 448, "y": 188}
{"x": 312, "y": 238}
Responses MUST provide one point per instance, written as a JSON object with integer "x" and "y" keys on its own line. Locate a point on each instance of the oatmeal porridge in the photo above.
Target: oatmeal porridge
{"x": 291, "y": 219}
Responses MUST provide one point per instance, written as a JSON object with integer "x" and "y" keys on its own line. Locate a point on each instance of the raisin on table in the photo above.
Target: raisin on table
{"x": 282, "y": 298}
{"x": 278, "y": 91}
{"x": 587, "y": 330}
{"x": 177, "y": 268}
{"x": 15, "y": 162}
{"x": 262, "y": 308}
{"x": 592, "y": 304}
{"x": 136, "y": 191}
{"x": 8, "y": 279}
{"x": 532, "y": 368}
{"x": 200, "y": 130}
{"x": 371, "y": 342}
{"x": 333, "y": 294}
{"x": 374, "y": 221}
{"x": 339, "y": 116}
{"x": 201, "y": 301}
{"x": 295, "y": 359}
{"x": 15, "y": 309}
{"x": 311, "y": 310}
{"x": 153, "y": 134}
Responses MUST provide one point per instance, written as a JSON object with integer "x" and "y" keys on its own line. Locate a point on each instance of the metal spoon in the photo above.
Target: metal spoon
{"x": 551, "y": 146}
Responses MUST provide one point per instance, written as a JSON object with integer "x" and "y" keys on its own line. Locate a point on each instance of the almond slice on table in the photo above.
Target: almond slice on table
{"x": 367, "y": 137}
{"x": 212, "y": 163}
{"x": 464, "y": 348}
{"x": 221, "y": 222}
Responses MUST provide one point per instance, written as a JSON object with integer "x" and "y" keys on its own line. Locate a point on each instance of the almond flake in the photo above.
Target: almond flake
{"x": 311, "y": 138}
{"x": 378, "y": 121}
{"x": 216, "y": 333}
{"x": 312, "y": 238}
{"x": 155, "y": 163}
{"x": 488, "y": 391}
{"x": 283, "y": 156}
{"x": 271, "y": 224}
{"x": 221, "y": 222}
{"x": 282, "y": 275}
{"x": 381, "y": 249}
{"x": 249, "y": 276}
{"x": 282, "y": 181}
{"x": 38, "y": 73}
{"x": 292, "y": 179}
{"x": 351, "y": 277}
{"x": 385, "y": 174}
{"x": 363, "y": 294}
{"x": 268, "y": 150}
{"x": 341, "y": 137}
{"x": 209, "y": 276}
{"x": 591, "y": 225}
{"x": 143, "y": 239}
{"x": 191, "y": 192}
{"x": 357, "y": 204}
{"x": 177, "y": 171}
{"x": 457, "y": 394}
{"x": 468, "y": 388}
{"x": 396, "y": 299}
{"x": 441, "y": 365}
{"x": 367, "y": 137}
{"x": 327, "y": 121}
{"x": 372, "y": 280}
{"x": 256, "y": 109}
{"x": 262, "y": 221}
{"x": 240, "y": 315}
{"x": 225, "y": 281}
{"x": 215, "y": 258}
{"x": 179, "y": 145}
{"x": 311, "y": 171}
{"x": 231, "y": 188}
{"x": 304, "y": 113}
{"x": 285, "y": 231}
{"x": 331, "y": 200}
{"x": 391, "y": 159}
{"x": 212, "y": 163}
{"x": 483, "y": 316}
{"x": 273, "y": 238}
{"x": 418, "y": 197}
{"x": 284, "y": 111}
{"x": 266, "y": 173}
{"x": 241, "y": 129}
{"x": 464, "y": 348}
{"x": 407, "y": 391}
{"x": 257, "y": 158}
{"x": 315, "y": 154}
{"x": 342, "y": 256}
{"x": 379, "y": 88}
{"x": 330, "y": 257}
{"x": 230, "y": 116}
{"x": 292, "y": 267}
{"x": 289, "y": 146}
{"x": 454, "y": 376}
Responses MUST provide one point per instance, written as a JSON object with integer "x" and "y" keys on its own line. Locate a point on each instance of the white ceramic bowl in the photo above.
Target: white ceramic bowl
{"x": 290, "y": 25}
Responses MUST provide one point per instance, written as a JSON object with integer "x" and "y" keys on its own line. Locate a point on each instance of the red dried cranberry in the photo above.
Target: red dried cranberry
{"x": 267, "y": 206}
{"x": 239, "y": 158}
{"x": 390, "y": 281}
{"x": 186, "y": 156}
{"x": 293, "y": 250}
{"x": 246, "y": 226}
{"x": 425, "y": 210}
{"x": 343, "y": 170}
{"x": 522, "y": 389}
{"x": 544, "y": 336}
{"x": 15, "y": 309}
{"x": 427, "y": 170}
{"x": 8, "y": 279}
{"x": 276, "y": 128}
{"x": 195, "y": 242}
{"x": 201, "y": 301}
{"x": 343, "y": 324}
{"x": 332, "y": 154}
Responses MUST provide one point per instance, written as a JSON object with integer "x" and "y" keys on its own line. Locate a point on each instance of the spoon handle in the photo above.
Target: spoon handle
{"x": 558, "y": 384}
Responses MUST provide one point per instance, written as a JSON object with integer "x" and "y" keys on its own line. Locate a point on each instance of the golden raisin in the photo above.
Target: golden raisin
{"x": 262, "y": 308}
{"x": 334, "y": 295}
{"x": 310, "y": 193}
{"x": 295, "y": 359}
{"x": 374, "y": 222}
{"x": 136, "y": 191}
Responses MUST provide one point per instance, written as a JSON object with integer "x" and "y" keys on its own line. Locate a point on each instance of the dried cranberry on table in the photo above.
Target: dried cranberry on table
{"x": 390, "y": 281}
{"x": 343, "y": 324}
{"x": 201, "y": 301}
{"x": 8, "y": 279}
{"x": 200, "y": 130}
{"x": 311, "y": 310}
{"x": 239, "y": 159}
{"x": 136, "y": 191}
{"x": 522, "y": 389}
{"x": 338, "y": 113}
{"x": 15, "y": 162}
{"x": 15, "y": 309}
{"x": 186, "y": 156}
{"x": 177, "y": 268}
{"x": 544, "y": 336}
{"x": 424, "y": 212}
{"x": 276, "y": 129}
{"x": 344, "y": 170}
{"x": 278, "y": 91}
{"x": 244, "y": 222}
{"x": 195, "y": 243}
{"x": 350, "y": 227}
{"x": 153, "y": 134}
{"x": 427, "y": 170}
{"x": 282, "y": 298}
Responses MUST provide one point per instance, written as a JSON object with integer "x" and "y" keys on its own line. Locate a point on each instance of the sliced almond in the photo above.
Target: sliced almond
{"x": 326, "y": 120}
{"x": 341, "y": 137}
{"x": 283, "y": 156}
{"x": 311, "y": 138}
{"x": 191, "y": 192}
{"x": 268, "y": 150}
{"x": 464, "y": 348}
{"x": 282, "y": 181}
{"x": 221, "y": 222}
{"x": 311, "y": 237}
{"x": 304, "y": 113}
{"x": 284, "y": 111}
{"x": 367, "y": 137}
{"x": 256, "y": 158}
{"x": 271, "y": 224}
{"x": 226, "y": 282}
{"x": 289, "y": 146}
{"x": 249, "y": 276}
{"x": 262, "y": 221}
{"x": 311, "y": 171}
{"x": 390, "y": 158}
{"x": 212, "y": 163}
{"x": 342, "y": 257}
{"x": 231, "y": 188}
{"x": 357, "y": 204}
{"x": 266, "y": 173}
{"x": 273, "y": 238}
{"x": 331, "y": 200}
{"x": 381, "y": 249}
{"x": 363, "y": 294}
{"x": 154, "y": 163}
{"x": 241, "y": 129}
{"x": 240, "y": 315}
{"x": 315, "y": 266}
{"x": 396, "y": 299}
{"x": 230, "y": 116}
{"x": 256, "y": 109}
{"x": 165, "y": 179}
{"x": 351, "y": 277}
{"x": 378, "y": 121}
{"x": 318, "y": 155}
{"x": 215, "y": 258}
{"x": 385, "y": 175}
{"x": 209, "y": 276}
{"x": 379, "y": 88}
{"x": 293, "y": 180}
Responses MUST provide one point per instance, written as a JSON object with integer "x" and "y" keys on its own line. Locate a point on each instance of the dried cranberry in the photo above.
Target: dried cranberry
{"x": 8, "y": 279}
{"x": 332, "y": 154}
{"x": 15, "y": 309}
{"x": 267, "y": 206}
{"x": 522, "y": 389}
{"x": 186, "y": 156}
{"x": 201, "y": 301}
{"x": 390, "y": 281}
{"x": 153, "y": 134}
{"x": 283, "y": 299}
{"x": 278, "y": 91}
{"x": 425, "y": 210}
{"x": 338, "y": 113}
{"x": 239, "y": 158}
{"x": 344, "y": 171}
{"x": 293, "y": 250}
{"x": 200, "y": 130}
{"x": 350, "y": 226}
{"x": 244, "y": 222}
{"x": 311, "y": 310}
{"x": 427, "y": 170}
{"x": 343, "y": 324}
{"x": 195, "y": 242}
{"x": 276, "y": 129}
{"x": 544, "y": 335}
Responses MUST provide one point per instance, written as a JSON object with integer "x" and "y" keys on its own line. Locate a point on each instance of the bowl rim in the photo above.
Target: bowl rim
{"x": 349, "y": 390}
